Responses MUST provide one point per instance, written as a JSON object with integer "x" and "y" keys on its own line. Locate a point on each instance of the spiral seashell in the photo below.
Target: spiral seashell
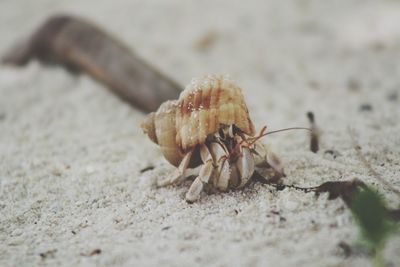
{"x": 204, "y": 105}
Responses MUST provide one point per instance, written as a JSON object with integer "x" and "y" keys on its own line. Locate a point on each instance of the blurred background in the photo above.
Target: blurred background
{"x": 266, "y": 45}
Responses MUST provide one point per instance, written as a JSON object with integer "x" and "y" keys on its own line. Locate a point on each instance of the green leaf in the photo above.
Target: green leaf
{"x": 369, "y": 209}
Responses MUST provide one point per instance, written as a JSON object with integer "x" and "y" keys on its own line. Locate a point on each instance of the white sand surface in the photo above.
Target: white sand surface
{"x": 71, "y": 152}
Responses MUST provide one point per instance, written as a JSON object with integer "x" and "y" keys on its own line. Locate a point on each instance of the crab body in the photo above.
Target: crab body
{"x": 208, "y": 133}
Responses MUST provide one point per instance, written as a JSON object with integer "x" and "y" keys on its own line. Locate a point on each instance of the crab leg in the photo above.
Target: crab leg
{"x": 275, "y": 163}
{"x": 267, "y": 163}
{"x": 180, "y": 173}
{"x": 205, "y": 174}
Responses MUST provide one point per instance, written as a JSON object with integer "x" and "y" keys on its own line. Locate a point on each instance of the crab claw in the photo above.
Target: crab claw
{"x": 220, "y": 156}
{"x": 245, "y": 166}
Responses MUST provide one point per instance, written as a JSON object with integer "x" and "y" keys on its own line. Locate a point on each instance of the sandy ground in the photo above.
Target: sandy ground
{"x": 71, "y": 152}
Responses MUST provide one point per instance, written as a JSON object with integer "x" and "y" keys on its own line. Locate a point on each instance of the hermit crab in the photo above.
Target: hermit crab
{"x": 207, "y": 133}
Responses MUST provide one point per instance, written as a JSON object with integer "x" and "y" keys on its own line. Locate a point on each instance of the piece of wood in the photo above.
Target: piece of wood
{"x": 82, "y": 47}
{"x": 314, "y": 134}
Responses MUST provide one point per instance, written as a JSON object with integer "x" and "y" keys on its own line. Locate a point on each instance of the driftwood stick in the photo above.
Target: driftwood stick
{"x": 80, "y": 46}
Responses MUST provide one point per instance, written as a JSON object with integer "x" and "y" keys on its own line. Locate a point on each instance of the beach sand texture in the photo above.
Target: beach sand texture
{"x": 71, "y": 152}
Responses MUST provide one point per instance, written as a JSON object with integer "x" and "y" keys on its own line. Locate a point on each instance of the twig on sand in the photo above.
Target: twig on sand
{"x": 314, "y": 134}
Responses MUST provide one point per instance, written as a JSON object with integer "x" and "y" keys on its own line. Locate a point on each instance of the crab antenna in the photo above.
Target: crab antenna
{"x": 285, "y": 129}
{"x": 262, "y": 134}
